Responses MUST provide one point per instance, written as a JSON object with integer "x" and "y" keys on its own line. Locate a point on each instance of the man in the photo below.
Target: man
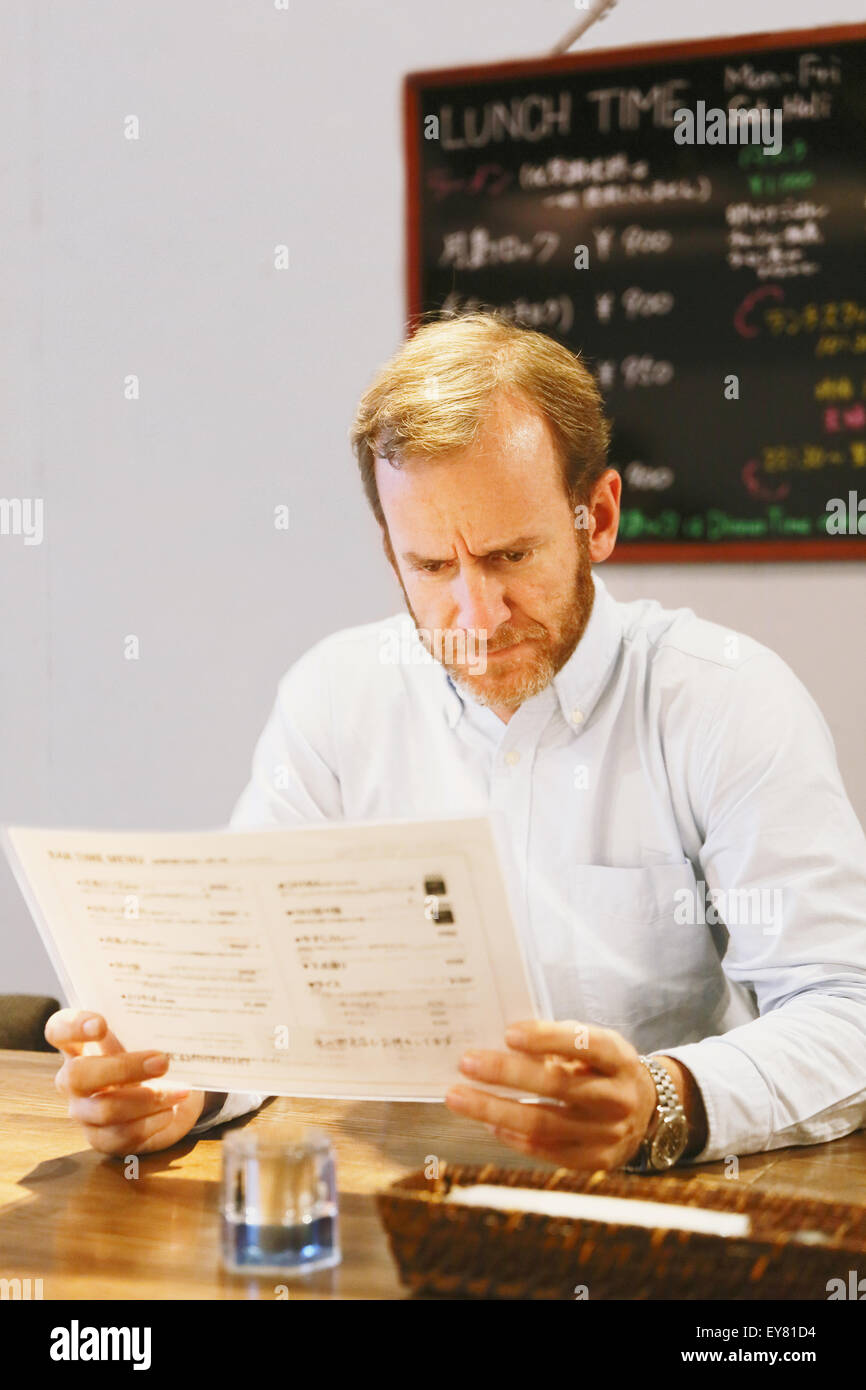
{"x": 693, "y": 877}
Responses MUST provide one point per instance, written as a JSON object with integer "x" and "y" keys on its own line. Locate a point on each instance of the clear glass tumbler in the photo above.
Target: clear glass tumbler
{"x": 279, "y": 1202}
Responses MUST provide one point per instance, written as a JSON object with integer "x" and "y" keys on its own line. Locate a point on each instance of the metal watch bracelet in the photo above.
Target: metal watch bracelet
{"x": 668, "y": 1130}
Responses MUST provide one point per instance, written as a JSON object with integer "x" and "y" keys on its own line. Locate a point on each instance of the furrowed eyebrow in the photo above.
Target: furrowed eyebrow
{"x": 520, "y": 543}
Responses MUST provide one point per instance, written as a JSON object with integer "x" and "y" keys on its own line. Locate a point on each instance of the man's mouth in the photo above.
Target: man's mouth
{"x": 508, "y": 651}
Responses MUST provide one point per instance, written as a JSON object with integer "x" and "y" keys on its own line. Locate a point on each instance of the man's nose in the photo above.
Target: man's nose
{"x": 479, "y": 601}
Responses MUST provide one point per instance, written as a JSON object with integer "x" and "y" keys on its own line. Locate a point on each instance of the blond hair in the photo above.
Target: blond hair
{"x": 431, "y": 396}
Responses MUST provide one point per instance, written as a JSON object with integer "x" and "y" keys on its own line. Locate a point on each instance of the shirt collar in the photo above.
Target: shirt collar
{"x": 580, "y": 683}
{"x": 585, "y": 676}
{"x": 453, "y": 701}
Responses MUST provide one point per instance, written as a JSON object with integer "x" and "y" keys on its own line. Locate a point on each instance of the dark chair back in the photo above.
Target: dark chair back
{"x": 22, "y": 1021}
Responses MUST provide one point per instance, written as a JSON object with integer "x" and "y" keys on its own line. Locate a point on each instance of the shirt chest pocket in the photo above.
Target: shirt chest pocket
{"x": 646, "y": 966}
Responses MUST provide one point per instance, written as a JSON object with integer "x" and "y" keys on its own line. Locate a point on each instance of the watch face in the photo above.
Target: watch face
{"x": 669, "y": 1141}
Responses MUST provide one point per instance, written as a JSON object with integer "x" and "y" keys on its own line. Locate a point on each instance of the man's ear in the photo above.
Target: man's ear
{"x": 604, "y": 515}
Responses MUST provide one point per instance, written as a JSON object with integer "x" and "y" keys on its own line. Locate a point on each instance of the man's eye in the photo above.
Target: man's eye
{"x": 512, "y": 557}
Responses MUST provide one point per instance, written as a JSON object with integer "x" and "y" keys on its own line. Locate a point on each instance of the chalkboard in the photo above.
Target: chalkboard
{"x": 720, "y": 298}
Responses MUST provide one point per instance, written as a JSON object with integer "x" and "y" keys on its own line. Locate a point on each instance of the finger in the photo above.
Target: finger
{"x": 122, "y": 1106}
{"x": 128, "y": 1139}
{"x": 103, "y": 1042}
{"x": 592, "y": 1155}
{"x": 582, "y": 1090}
{"x": 84, "y": 1075}
{"x": 70, "y": 1030}
{"x": 548, "y": 1124}
{"x": 601, "y": 1048}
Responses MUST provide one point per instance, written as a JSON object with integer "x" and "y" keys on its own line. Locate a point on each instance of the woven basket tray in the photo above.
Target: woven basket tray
{"x": 795, "y": 1246}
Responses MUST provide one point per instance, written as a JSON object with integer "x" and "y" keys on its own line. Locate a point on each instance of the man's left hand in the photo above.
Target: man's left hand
{"x": 598, "y": 1097}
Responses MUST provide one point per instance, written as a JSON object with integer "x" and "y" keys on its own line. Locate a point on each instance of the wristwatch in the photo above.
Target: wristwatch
{"x": 668, "y": 1131}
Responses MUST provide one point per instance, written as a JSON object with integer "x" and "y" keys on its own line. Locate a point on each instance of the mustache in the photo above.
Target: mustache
{"x": 509, "y": 636}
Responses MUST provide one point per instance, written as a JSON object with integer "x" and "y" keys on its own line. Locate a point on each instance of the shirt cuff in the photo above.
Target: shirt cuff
{"x": 235, "y": 1104}
{"x": 735, "y": 1095}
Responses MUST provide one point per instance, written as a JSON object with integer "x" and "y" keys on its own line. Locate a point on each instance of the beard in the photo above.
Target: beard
{"x": 506, "y": 683}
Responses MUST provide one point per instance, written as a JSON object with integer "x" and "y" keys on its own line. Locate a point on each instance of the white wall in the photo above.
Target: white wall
{"x": 154, "y": 257}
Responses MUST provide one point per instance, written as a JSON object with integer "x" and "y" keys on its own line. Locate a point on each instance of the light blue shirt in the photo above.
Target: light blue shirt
{"x": 672, "y": 772}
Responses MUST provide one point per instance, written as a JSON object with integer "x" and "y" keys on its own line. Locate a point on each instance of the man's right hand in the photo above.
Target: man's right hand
{"x": 107, "y": 1089}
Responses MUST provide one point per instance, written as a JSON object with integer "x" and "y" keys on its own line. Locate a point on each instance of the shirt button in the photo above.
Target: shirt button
{"x": 577, "y": 716}
{"x": 512, "y": 757}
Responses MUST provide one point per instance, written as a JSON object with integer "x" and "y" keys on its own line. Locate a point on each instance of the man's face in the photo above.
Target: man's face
{"x": 485, "y": 546}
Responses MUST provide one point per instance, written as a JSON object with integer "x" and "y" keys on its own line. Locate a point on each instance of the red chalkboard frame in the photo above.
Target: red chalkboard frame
{"x": 627, "y": 552}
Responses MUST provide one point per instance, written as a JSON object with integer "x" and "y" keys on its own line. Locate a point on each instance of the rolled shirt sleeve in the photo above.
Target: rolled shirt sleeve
{"x": 784, "y": 861}
{"x": 236, "y": 1103}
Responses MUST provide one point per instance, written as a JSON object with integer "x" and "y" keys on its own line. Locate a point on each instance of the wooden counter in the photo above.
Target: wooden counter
{"x": 70, "y": 1217}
